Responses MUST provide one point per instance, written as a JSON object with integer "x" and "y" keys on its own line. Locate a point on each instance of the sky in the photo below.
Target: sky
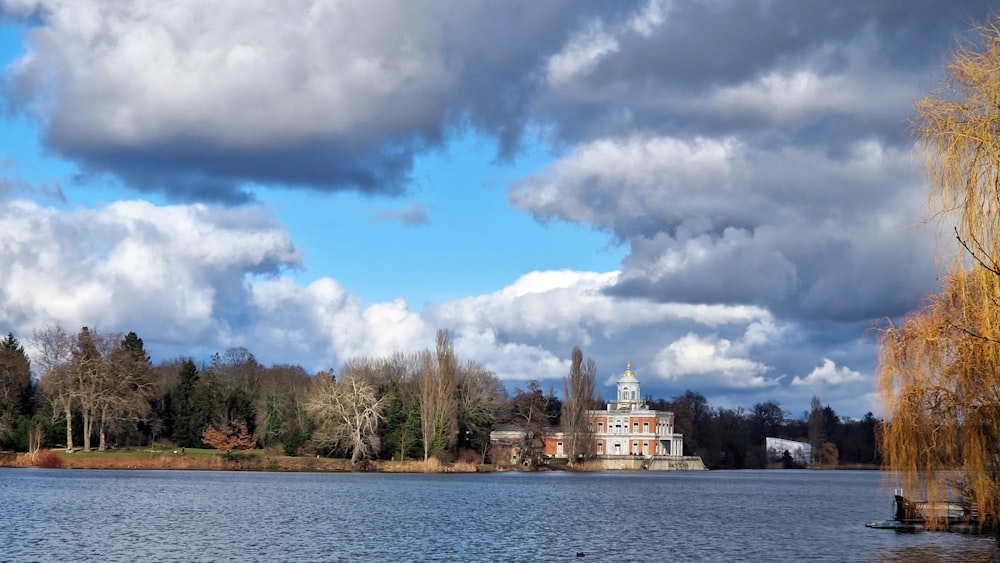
{"x": 722, "y": 192}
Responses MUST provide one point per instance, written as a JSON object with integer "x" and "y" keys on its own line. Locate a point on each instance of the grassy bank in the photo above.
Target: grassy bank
{"x": 214, "y": 460}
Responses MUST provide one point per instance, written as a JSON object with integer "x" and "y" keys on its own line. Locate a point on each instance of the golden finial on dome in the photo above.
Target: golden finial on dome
{"x": 628, "y": 369}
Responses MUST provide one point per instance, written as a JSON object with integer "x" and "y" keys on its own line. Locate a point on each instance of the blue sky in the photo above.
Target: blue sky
{"x": 723, "y": 193}
{"x": 469, "y": 239}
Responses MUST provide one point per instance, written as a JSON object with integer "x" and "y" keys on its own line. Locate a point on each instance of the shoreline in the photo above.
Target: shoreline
{"x": 259, "y": 460}
{"x": 218, "y": 461}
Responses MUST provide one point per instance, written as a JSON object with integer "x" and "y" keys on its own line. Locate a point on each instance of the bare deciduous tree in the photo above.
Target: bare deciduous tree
{"x": 580, "y": 393}
{"x": 482, "y": 402}
{"x": 439, "y": 397}
{"x": 348, "y": 414}
{"x": 35, "y": 435}
{"x": 90, "y": 376}
{"x": 53, "y": 356}
{"x": 529, "y": 411}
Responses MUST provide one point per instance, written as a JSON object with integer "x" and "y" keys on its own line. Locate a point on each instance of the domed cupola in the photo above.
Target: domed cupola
{"x": 629, "y": 396}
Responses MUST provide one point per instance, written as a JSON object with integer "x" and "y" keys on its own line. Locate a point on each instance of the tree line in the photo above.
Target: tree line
{"x": 733, "y": 438}
{"x": 102, "y": 386}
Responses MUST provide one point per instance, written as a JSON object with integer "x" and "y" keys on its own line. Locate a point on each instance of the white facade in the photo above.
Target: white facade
{"x": 628, "y": 427}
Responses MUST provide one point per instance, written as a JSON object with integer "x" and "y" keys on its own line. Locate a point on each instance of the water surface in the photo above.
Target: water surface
{"x": 83, "y": 515}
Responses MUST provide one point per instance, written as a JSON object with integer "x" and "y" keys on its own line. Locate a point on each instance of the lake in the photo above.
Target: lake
{"x": 83, "y": 515}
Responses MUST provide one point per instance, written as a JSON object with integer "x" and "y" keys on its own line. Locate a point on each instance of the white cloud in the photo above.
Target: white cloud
{"x": 828, "y": 374}
{"x": 589, "y": 46}
{"x": 609, "y": 182}
{"x": 790, "y": 96}
{"x": 176, "y": 268}
{"x": 235, "y": 72}
{"x": 646, "y": 21}
{"x": 510, "y": 361}
{"x": 707, "y": 360}
{"x": 325, "y": 325}
{"x": 193, "y": 280}
{"x": 583, "y": 52}
{"x": 576, "y": 305}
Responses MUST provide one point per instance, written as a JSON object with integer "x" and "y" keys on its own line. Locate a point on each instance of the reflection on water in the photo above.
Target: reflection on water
{"x": 223, "y": 516}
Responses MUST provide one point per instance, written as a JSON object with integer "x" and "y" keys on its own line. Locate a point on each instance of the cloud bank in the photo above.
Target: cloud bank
{"x": 752, "y": 158}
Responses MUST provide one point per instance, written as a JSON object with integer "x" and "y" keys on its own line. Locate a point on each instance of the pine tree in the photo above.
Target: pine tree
{"x": 15, "y": 385}
{"x": 182, "y": 405}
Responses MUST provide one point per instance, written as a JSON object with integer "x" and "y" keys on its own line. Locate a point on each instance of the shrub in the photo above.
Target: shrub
{"x": 307, "y": 450}
{"x": 233, "y": 436}
{"x": 467, "y": 455}
{"x": 48, "y": 459}
{"x": 826, "y": 455}
{"x": 445, "y": 457}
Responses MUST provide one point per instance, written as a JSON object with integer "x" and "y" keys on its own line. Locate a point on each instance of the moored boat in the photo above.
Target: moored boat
{"x": 910, "y": 516}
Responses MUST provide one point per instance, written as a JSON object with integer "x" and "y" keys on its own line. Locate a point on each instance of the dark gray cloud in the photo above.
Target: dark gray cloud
{"x": 660, "y": 81}
{"x": 197, "y": 101}
{"x": 751, "y": 152}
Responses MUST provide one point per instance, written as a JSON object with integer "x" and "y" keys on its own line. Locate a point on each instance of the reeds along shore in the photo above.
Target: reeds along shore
{"x": 153, "y": 460}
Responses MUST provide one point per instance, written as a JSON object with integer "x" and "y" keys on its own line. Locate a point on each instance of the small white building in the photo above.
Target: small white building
{"x": 801, "y": 452}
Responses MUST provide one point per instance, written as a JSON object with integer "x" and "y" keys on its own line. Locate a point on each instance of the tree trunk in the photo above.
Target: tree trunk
{"x": 34, "y": 441}
{"x": 102, "y": 443}
{"x": 69, "y": 428}
{"x": 88, "y": 427}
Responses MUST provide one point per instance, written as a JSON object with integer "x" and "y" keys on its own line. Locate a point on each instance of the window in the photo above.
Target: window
{"x": 645, "y": 427}
{"x": 600, "y": 448}
{"x": 559, "y": 448}
{"x": 645, "y": 448}
{"x": 600, "y": 427}
{"x": 635, "y": 427}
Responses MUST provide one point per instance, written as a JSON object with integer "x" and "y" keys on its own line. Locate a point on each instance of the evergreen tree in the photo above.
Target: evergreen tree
{"x": 182, "y": 398}
{"x": 208, "y": 404}
{"x": 15, "y": 385}
{"x": 240, "y": 408}
{"x": 125, "y": 389}
{"x": 395, "y": 422}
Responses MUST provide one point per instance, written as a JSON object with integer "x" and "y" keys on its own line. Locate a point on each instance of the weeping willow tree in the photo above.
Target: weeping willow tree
{"x": 939, "y": 371}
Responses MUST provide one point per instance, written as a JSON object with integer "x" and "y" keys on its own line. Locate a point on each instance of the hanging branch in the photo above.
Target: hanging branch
{"x": 994, "y": 268}
{"x": 971, "y": 333}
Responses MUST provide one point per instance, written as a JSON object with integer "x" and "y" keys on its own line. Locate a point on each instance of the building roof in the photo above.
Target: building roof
{"x": 628, "y": 375}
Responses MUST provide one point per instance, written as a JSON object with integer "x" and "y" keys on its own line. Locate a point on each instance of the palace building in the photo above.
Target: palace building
{"x": 627, "y": 435}
{"x": 629, "y": 427}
